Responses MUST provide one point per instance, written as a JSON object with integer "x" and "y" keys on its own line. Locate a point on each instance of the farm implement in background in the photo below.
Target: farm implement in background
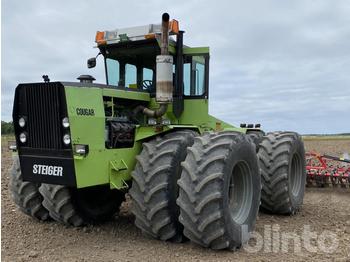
{"x": 325, "y": 170}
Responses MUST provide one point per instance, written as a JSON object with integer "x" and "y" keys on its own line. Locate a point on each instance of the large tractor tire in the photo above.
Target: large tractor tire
{"x": 282, "y": 163}
{"x": 26, "y": 194}
{"x": 256, "y": 136}
{"x": 220, "y": 190}
{"x": 154, "y": 188}
{"x": 78, "y": 207}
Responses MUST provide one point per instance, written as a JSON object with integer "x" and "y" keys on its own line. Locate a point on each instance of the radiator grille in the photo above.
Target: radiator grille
{"x": 43, "y": 102}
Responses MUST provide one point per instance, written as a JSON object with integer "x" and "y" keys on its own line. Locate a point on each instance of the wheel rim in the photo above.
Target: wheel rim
{"x": 296, "y": 174}
{"x": 240, "y": 192}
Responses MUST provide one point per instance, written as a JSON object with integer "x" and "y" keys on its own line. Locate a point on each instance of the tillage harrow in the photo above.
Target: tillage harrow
{"x": 325, "y": 170}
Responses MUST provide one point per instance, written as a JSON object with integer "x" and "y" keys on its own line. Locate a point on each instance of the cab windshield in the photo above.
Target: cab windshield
{"x": 132, "y": 67}
{"x": 126, "y": 74}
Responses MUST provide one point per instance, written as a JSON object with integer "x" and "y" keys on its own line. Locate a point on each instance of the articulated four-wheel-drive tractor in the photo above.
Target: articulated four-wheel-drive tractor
{"x": 81, "y": 146}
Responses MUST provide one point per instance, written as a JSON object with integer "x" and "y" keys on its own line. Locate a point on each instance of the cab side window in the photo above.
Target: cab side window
{"x": 187, "y": 79}
{"x": 195, "y": 75}
{"x": 130, "y": 76}
{"x": 147, "y": 78}
{"x": 198, "y": 67}
{"x": 113, "y": 72}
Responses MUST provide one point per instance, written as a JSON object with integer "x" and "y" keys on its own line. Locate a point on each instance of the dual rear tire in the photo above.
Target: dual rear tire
{"x": 283, "y": 172}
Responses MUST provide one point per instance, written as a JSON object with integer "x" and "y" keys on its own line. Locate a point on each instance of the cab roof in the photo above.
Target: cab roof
{"x": 137, "y": 33}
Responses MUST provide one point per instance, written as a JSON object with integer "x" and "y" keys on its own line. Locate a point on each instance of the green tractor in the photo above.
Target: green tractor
{"x": 80, "y": 147}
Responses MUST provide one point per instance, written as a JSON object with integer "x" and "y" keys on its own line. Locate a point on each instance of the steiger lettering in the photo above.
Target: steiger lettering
{"x": 47, "y": 170}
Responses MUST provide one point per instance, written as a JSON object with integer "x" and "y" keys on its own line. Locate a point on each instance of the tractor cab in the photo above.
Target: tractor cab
{"x": 130, "y": 56}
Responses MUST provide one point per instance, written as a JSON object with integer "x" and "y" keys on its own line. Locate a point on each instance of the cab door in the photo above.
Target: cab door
{"x": 196, "y": 73}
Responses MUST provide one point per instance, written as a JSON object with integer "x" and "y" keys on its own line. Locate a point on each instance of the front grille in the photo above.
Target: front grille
{"x": 43, "y": 106}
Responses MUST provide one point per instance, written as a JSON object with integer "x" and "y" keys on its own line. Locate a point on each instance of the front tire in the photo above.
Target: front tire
{"x": 283, "y": 171}
{"x": 26, "y": 194}
{"x": 154, "y": 188}
{"x": 78, "y": 207}
{"x": 220, "y": 190}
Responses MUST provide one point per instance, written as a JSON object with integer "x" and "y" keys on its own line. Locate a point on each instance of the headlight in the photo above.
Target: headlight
{"x": 23, "y": 138}
{"x": 66, "y": 139}
{"x": 65, "y": 122}
{"x": 21, "y": 122}
{"x": 81, "y": 149}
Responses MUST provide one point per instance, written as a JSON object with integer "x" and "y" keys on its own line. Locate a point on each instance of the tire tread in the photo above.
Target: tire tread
{"x": 26, "y": 194}
{"x": 152, "y": 205}
{"x": 274, "y": 153}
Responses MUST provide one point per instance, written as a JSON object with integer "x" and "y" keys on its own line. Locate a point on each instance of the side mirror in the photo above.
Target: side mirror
{"x": 91, "y": 62}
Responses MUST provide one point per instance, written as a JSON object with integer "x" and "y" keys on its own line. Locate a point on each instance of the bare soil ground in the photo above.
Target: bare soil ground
{"x": 326, "y": 211}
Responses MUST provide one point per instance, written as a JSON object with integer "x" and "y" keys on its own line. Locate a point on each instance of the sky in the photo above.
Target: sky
{"x": 284, "y": 64}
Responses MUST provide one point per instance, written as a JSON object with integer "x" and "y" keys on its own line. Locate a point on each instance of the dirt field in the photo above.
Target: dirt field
{"x": 326, "y": 212}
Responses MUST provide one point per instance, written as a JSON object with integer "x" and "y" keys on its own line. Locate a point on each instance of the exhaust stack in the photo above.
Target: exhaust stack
{"x": 164, "y": 87}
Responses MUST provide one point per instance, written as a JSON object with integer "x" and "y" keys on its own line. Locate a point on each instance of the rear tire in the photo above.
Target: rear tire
{"x": 220, "y": 190}
{"x": 26, "y": 194}
{"x": 154, "y": 188}
{"x": 283, "y": 171}
{"x": 77, "y": 207}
